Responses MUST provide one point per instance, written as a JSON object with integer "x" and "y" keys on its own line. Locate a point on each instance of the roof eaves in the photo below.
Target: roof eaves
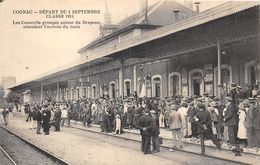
{"x": 120, "y": 31}
{"x": 220, "y": 11}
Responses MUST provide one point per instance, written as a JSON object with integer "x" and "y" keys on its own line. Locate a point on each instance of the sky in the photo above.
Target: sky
{"x": 26, "y": 53}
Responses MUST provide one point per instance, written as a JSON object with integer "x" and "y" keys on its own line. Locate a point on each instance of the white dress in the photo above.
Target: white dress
{"x": 241, "y": 134}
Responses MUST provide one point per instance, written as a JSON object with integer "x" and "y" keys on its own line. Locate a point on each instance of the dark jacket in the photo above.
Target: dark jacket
{"x": 232, "y": 94}
{"x": 204, "y": 119}
{"x": 46, "y": 115}
{"x": 192, "y": 113}
{"x": 147, "y": 123}
{"x": 156, "y": 128}
{"x": 257, "y": 117}
{"x": 231, "y": 117}
{"x": 249, "y": 122}
{"x": 57, "y": 114}
{"x": 34, "y": 112}
{"x": 39, "y": 116}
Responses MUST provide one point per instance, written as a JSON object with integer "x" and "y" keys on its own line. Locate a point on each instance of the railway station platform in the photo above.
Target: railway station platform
{"x": 18, "y": 123}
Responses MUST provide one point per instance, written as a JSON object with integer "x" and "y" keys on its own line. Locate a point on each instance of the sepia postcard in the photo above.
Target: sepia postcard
{"x": 109, "y": 82}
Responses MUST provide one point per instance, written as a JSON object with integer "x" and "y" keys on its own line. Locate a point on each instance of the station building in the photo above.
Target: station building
{"x": 164, "y": 50}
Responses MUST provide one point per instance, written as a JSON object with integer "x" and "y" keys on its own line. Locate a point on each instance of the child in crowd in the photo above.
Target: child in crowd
{"x": 118, "y": 124}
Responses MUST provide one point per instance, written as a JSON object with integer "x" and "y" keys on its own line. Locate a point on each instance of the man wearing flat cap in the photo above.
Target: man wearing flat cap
{"x": 145, "y": 125}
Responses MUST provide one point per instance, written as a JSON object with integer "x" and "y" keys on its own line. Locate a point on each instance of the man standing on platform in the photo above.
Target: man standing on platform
{"x": 155, "y": 132}
{"x": 145, "y": 125}
{"x": 183, "y": 113}
{"x": 175, "y": 126}
{"x": 231, "y": 120}
{"x": 204, "y": 122}
{"x": 5, "y": 113}
{"x": 39, "y": 120}
{"x": 46, "y": 115}
{"x": 57, "y": 118}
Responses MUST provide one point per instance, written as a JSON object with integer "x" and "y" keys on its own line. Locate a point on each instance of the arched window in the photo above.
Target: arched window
{"x": 157, "y": 86}
{"x": 127, "y": 87}
{"x": 174, "y": 84}
{"x": 112, "y": 91}
{"x": 196, "y": 82}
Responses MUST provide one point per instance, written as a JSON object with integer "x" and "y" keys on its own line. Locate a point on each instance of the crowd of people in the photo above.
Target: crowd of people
{"x": 233, "y": 117}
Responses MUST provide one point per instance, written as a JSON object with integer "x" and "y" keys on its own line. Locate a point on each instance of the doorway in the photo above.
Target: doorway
{"x": 157, "y": 87}
{"x": 196, "y": 88}
{"x": 197, "y": 84}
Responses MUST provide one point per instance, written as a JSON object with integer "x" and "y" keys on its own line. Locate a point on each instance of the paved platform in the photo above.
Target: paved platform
{"x": 167, "y": 135}
{"x": 251, "y": 158}
{"x": 84, "y": 147}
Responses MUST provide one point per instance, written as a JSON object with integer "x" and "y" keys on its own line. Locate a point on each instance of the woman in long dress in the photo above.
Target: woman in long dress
{"x": 241, "y": 134}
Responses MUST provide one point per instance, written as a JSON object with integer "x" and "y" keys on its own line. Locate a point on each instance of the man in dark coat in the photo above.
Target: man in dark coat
{"x": 249, "y": 122}
{"x": 57, "y": 118}
{"x": 233, "y": 93}
{"x": 46, "y": 115}
{"x": 145, "y": 125}
{"x": 87, "y": 114}
{"x": 5, "y": 114}
{"x": 231, "y": 120}
{"x": 192, "y": 113}
{"x": 204, "y": 122}
{"x": 39, "y": 120}
{"x": 155, "y": 132}
{"x": 248, "y": 91}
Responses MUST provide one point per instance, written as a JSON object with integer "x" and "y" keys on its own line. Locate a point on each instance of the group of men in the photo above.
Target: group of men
{"x": 46, "y": 115}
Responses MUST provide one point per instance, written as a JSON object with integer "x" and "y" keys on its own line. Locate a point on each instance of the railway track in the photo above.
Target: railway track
{"x": 10, "y": 160}
{"x": 53, "y": 157}
{"x": 166, "y": 147}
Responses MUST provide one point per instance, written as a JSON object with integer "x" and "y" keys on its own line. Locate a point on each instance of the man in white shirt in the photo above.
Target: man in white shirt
{"x": 184, "y": 124}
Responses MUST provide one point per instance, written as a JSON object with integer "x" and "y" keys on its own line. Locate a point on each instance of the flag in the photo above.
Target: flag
{"x": 142, "y": 84}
